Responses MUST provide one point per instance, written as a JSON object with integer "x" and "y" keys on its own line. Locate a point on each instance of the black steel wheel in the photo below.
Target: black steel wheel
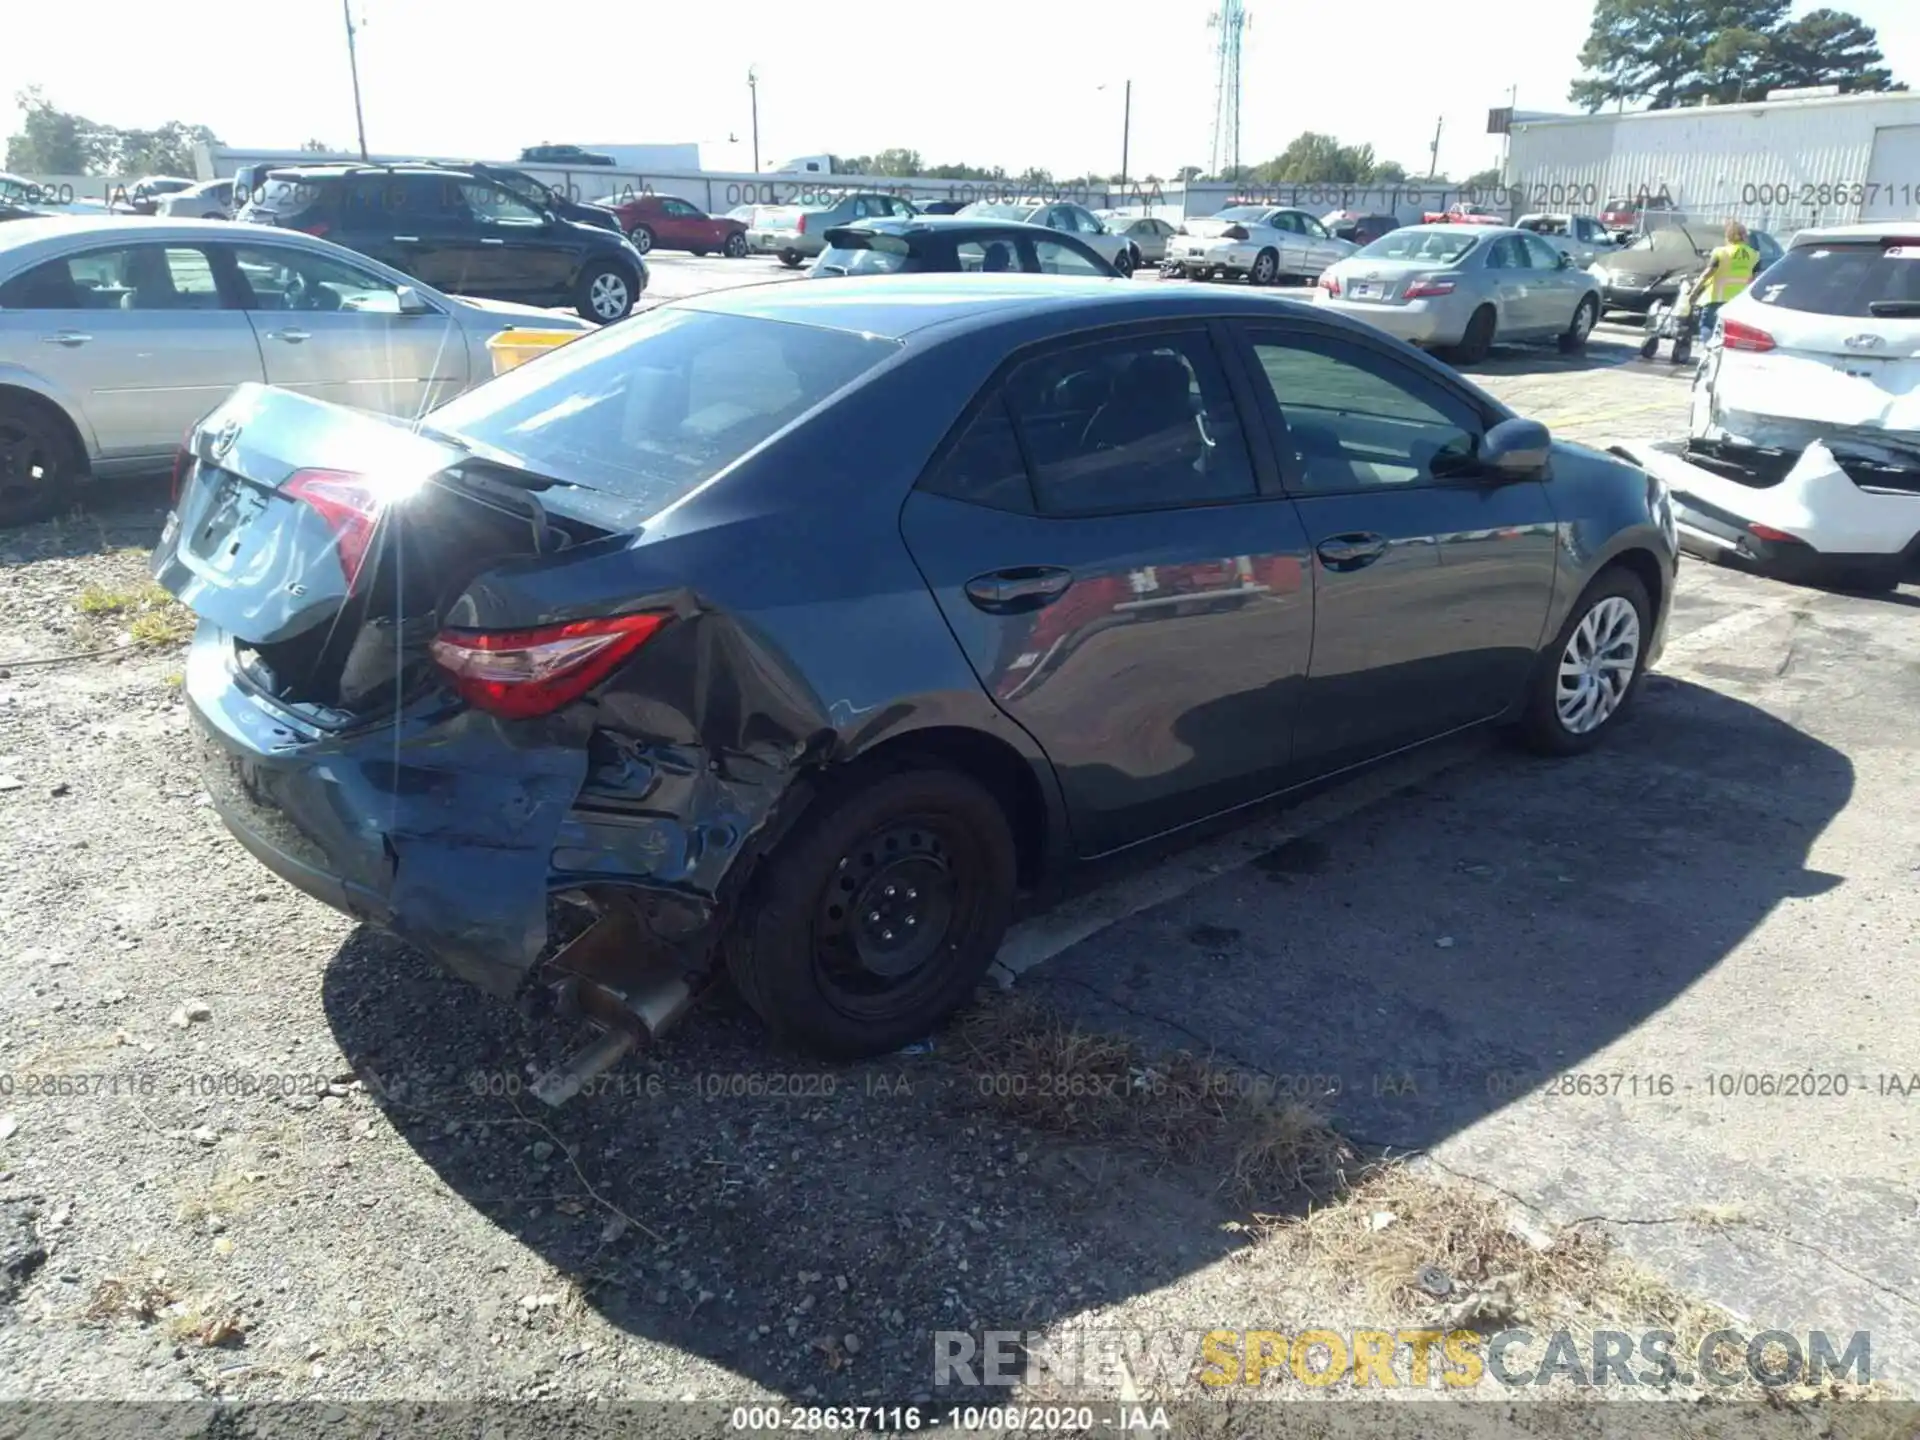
{"x": 878, "y": 916}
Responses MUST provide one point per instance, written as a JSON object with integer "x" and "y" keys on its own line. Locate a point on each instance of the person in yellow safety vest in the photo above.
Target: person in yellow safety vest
{"x": 1730, "y": 269}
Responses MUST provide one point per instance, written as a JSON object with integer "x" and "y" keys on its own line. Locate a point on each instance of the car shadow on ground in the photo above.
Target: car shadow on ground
{"x": 1440, "y": 951}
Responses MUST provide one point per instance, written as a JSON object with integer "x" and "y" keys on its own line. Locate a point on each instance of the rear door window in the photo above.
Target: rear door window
{"x": 133, "y": 277}
{"x": 1050, "y": 257}
{"x": 1866, "y": 280}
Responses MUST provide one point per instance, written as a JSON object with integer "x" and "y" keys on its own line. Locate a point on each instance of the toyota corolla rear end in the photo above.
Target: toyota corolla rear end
{"x": 444, "y": 676}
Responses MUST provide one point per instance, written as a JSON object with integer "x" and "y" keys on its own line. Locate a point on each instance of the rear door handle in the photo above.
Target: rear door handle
{"x": 1351, "y": 552}
{"x": 485, "y": 241}
{"x": 292, "y": 337}
{"x": 69, "y": 338}
{"x": 407, "y": 239}
{"x": 1020, "y": 589}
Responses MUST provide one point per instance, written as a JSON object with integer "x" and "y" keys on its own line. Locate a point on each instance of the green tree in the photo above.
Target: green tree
{"x": 1187, "y": 174}
{"x": 50, "y": 141}
{"x": 1738, "y": 63}
{"x": 1829, "y": 47}
{"x": 1656, "y": 50}
{"x": 1388, "y": 172}
{"x": 1482, "y": 180}
{"x": 318, "y": 147}
{"x": 896, "y": 162}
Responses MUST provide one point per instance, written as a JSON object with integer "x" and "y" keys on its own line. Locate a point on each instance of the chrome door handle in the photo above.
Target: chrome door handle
{"x": 407, "y": 239}
{"x": 1021, "y": 589}
{"x": 292, "y": 337}
{"x": 1351, "y": 552}
{"x": 485, "y": 241}
{"x": 69, "y": 338}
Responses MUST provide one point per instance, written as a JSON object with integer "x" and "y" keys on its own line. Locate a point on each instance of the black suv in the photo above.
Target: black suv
{"x": 535, "y": 192}
{"x": 460, "y": 232}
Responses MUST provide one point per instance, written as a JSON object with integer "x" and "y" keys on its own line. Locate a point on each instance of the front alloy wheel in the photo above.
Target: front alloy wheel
{"x": 1587, "y": 678}
{"x": 1597, "y": 667}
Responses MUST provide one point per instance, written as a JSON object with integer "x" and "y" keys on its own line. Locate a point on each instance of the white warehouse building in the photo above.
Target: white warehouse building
{"x": 1777, "y": 165}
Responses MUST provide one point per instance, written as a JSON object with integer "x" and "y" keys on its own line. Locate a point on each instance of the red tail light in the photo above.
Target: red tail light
{"x": 518, "y": 674}
{"x": 1234, "y": 232}
{"x": 1767, "y": 532}
{"x": 1735, "y": 336}
{"x": 1329, "y": 283}
{"x": 351, "y": 508}
{"x": 800, "y": 225}
{"x": 1418, "y": 288}
{"x": 319, "y": 227}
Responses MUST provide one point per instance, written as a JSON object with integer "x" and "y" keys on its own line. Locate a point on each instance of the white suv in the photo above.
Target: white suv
{"x": 1803, "y": 446}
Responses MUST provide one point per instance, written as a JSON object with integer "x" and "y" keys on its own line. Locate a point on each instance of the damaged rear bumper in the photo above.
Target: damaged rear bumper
{"x": 435, "y": 824}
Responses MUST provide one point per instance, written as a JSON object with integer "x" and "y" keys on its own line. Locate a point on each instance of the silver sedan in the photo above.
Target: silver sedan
{"x": 117, "y": 335}
{"x": 1464, "y": 287}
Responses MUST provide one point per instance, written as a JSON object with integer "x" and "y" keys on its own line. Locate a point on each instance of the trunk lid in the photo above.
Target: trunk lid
{"x": 1386, "y": 280}
{"x": 330, "y": 582}
{"x": 779, "y": 217}
{"x": 1213, "y": 229}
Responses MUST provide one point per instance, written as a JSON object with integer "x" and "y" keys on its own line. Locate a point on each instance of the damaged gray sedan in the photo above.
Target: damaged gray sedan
{"x": 797, "y": 629}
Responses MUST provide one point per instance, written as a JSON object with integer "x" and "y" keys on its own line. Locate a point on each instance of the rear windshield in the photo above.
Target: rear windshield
{"x": 1859, "y": 280}
{"x": 866, "y": 255}
{"x": 1440, "y": 246}
{"x": 654, "y": 406}
{"x": 1241, "y": 212}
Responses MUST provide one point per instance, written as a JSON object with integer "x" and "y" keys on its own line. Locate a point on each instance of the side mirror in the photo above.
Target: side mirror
{"x": 1515, "y": 450}
{"x": 412, "y": 302}
{"x": 1566, "y": 261}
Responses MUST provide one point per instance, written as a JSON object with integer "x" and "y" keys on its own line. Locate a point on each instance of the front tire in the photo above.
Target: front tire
{"x": 642, "y": 238}
{"x": 876, "y": 918}
{"x": 41, "y": 469}
{"x": 1586, "y": 680}
{"x": 736, "y": 246}
{"x": 1574, "y": 339}
{"x": 606, "y": 293}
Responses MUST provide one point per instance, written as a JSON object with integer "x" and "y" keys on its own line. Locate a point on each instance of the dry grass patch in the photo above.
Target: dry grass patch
{"x": 149, "y": 614}
{"x": 142, "y": 1298}
{"x": 1037, "y": 1068}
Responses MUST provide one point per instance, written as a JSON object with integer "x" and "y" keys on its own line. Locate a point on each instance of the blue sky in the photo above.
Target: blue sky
{"x": 992, "y": 82}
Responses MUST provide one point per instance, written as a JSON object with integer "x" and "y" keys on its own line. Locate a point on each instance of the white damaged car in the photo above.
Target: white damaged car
{"x": 1802, "y": 457}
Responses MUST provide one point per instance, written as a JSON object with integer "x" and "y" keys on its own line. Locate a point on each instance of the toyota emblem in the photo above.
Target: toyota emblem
{"x": 1864, "y": 342}
{"x": 224, "y": 438}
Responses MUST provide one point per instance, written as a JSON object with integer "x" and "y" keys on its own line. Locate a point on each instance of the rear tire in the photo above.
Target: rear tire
{"x": 1551, "y": 722}
{"x": 877, "y": 916}
{"x": 1266, "y": 269}
{"x": 1574, "y": 339}
{"x": 606, "y": 293}
{"x": 642, "y": 238}
{"x": 791, "y": 259}
{"x": 1477, "y": 343}
{"x": 1123, "y": 262}
{"x": 42, "y": 470}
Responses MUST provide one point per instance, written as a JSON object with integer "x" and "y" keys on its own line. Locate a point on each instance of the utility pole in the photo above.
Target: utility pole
{"x": 1506, "y": 141}
{"x": 753, "y": 90}
{"x": 353, "y": 64}
{"x": 1126, "y": 134}
{"x": 1433, "y": 152}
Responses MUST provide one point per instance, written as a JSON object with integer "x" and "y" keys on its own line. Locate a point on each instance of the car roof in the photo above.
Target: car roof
{"x": 1865, "y": 230}
{"x": 31, "y": 240}
{"x": 1474, "y": 230}
{"x": 895, "y": 307}
{"x": 906, "y": 224}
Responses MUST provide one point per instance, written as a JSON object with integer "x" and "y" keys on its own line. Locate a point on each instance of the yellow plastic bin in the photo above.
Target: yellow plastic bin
{"x": 515, "y": 347}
